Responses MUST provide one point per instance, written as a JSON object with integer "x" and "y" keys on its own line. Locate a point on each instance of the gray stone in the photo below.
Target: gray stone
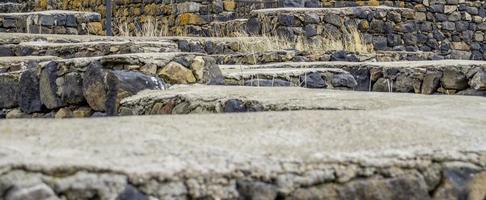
{"x": 253, "y": 26}
{"x": 71, "y": 21}
{"x": 234, "y": 105}
{"x": 47, "y": 20}
{"x": 403, "y": 83}
{"x": 431, "y": 82}
{"x": 131, "y": 193}
{"x": 256, "y": 190}
{"x": 478, "y": 81}
{"x": 455, "y": 183}
{"x": 83, "y": 185}
{"x": 382, "y": 85}
{"x": 313, "y": 80}
{"x": 35, "y": 192}
{"x": 70, "y": 90}
{"x": 454, "y": 79}
{"x": 310, "y": 30}
{"x": 268, "y": 83}
{"x": 292, "y": 3}
{"x": 362, "y": 77}
{"x": 29, "y": 99}
{"x": 48, "y": 87}
{"x": 286, "y": 20}
{"x": 343, "y": 80}
{"x": 333, "y": 19}
{"x": 9, "y": 91}
{"x": 94, "y": 89}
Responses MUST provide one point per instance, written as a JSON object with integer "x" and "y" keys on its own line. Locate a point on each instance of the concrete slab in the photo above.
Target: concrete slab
{"x": 391, "y": 150}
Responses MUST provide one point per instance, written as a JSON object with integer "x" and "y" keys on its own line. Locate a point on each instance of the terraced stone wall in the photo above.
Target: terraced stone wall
{"x": 453, "y": 29}
{"x": 97, "y": 84}
{"x": 180, "y": 17}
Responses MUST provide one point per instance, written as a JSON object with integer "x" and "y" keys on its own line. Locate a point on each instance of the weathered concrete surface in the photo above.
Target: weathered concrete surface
{"x": 420, "y": 148}
{"x": 216, "y": 99}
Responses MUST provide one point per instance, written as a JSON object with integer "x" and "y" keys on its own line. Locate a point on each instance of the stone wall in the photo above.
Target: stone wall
{"x": 453, "y": 30}
{"x": 52, "y": 22}
{"x": 97, "y": 84}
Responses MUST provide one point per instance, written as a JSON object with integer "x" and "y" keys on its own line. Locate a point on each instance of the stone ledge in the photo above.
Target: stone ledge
{"x": 289, "y": 154}
{"x": 221, "y": 99}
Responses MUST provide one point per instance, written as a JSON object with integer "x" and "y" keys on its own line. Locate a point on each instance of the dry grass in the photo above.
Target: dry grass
{"x": 351, "y": 41}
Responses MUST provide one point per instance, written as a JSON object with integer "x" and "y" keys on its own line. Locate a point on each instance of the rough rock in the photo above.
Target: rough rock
{"x": 175, "y": 73}
{"x": 478, "y": 81}
{"x": 453, "y": 79}
{"x": 431, "y": 82}
{"x": 63, "y": 113}
{"x": 82, "y": 112}
{"x": 30, "y": 100}
{"x": 94, "y": 88}
{"x": 313, "y": 80}
{"x": 344, "y": 80}
{"x": 16, "y": 114}
{"x": 103, "y": 89}
{"x": 206, "y": 71}
{"x": 9, "y": 91}
{"x": 48, "y": 87}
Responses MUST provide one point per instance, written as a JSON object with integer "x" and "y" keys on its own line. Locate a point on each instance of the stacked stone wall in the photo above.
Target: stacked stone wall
{"x": 453, "y": 29}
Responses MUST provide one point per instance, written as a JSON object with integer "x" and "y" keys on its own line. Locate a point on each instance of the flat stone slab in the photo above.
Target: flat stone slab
{"x": 405, "y": 145}
{"x": 217, "y": 99}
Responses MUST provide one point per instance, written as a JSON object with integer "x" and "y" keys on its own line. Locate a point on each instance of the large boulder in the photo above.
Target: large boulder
{"x": 104, "y": 89}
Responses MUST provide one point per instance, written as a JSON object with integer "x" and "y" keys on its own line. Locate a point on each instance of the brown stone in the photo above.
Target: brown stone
{"x": 175, "y": 73}
{"x": 229, "y": 5}
{"x": 82, "y": 112}
{"x": 190, "y": 19}
{"x": 16, "y": 114}
{"x": 64, "y": 113}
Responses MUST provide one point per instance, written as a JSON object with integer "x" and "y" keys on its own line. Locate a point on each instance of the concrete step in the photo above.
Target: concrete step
{"x": 222, "y": 99}
{"x": 410, "y": 147}
{"x": 422, "y": 77}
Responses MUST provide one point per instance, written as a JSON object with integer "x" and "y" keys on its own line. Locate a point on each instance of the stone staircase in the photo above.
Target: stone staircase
{"x": 275, "y": 112}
